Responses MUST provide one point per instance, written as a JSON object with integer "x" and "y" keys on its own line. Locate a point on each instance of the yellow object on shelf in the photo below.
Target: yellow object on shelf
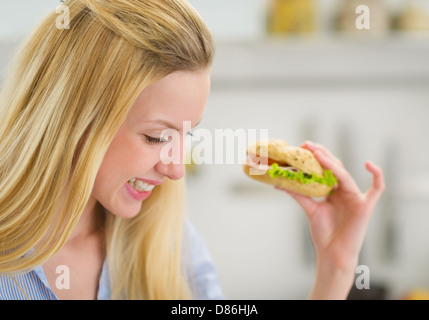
{"x": 291, "y": 16}
{"x": 414, "y": 19}
{"x": 417, "y": 294}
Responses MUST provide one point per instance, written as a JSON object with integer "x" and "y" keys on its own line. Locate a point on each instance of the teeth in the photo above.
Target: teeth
{"x": 140, "y": 185}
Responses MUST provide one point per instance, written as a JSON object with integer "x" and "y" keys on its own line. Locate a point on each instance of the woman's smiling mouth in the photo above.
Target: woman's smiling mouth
{"x": 140, "y": 186}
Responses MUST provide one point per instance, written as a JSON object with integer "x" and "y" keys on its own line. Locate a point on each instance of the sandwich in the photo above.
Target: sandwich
{"x": 291, "y": 168}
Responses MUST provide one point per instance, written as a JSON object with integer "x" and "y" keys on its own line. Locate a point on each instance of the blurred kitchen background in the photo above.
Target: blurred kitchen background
{"x": 303, "y": 70}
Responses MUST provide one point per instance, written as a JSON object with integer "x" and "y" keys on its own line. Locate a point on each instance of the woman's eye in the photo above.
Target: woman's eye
{"x": 152, "y": 140}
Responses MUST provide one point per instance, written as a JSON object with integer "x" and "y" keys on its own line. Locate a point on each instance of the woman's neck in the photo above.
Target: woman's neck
{"x": 90, "y": 222}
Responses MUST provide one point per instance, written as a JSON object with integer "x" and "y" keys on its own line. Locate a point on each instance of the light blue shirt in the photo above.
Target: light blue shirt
{"x": 36, "y": 286}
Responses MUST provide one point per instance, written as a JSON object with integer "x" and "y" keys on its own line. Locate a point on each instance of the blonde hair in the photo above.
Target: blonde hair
{"x": 62, "y": 102}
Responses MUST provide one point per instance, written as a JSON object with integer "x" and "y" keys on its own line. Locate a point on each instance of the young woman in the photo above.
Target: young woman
{"x": 88, "y": 209}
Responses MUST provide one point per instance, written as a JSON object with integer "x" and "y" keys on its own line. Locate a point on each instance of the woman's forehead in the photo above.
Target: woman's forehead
{"x": 178, "y": 97}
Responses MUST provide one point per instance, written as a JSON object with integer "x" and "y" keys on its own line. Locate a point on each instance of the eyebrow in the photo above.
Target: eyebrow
{"x": 168, "y": 124}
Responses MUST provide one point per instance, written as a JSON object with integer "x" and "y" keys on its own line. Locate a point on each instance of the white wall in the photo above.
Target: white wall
{"x": 17, "y": 18}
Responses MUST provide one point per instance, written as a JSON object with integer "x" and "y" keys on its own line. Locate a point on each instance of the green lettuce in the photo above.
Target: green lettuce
{"x": 328, "y": 178}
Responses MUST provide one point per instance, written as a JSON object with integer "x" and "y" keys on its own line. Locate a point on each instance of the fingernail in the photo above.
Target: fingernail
{"x": 309, "y": 143}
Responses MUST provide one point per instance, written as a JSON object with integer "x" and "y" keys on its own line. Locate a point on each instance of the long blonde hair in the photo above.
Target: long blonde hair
{"x": 62, "y": 102}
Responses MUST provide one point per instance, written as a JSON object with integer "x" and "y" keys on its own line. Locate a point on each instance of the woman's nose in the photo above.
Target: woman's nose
{"x": 171, "y": 162}
{"x": 173, "y": 171}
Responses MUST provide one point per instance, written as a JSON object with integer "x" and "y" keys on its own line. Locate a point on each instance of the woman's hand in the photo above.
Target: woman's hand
{"x": 338, "y": 225}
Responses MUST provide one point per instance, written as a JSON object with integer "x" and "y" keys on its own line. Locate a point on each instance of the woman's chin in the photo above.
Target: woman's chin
{"x": 129, "y": 213}
{"x": 126, "y": 211}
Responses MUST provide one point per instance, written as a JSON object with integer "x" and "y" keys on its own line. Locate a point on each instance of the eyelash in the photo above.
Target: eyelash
{"x": 152, "y": 140}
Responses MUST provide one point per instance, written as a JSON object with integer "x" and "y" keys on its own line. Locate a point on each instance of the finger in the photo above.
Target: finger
{"x": 378, "y": 184}
{"x": 314, "y": 147}
{"x": 307, "y": 204}
{"x": 345, "y": 180}
{"x": 329, "y": 161}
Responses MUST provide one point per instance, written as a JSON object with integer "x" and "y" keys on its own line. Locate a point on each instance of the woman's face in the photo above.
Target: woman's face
{"x": 133, "y": 165}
